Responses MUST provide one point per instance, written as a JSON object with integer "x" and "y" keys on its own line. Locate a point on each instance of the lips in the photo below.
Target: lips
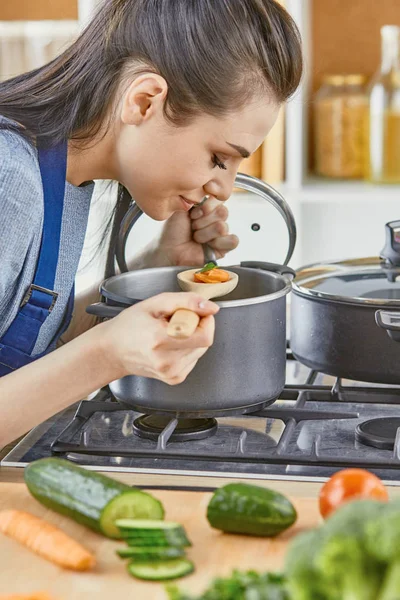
{"x": 187, "y": 204}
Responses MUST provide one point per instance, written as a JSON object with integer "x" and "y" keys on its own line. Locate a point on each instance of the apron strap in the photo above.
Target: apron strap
{"x": 40, "y": 297}
{"x": 53, "y": 169}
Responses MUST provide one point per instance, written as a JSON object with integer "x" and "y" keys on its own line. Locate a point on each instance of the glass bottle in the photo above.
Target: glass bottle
{"x": 340, "y": 110}
{"x": 383, "y": 126}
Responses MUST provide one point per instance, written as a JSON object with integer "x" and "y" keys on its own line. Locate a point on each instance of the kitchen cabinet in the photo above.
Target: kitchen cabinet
{"x": 336, "y": 219}
{"x": 26, "y": 10}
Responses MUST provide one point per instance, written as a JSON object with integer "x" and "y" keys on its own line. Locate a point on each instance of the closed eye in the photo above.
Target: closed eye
{"x": 218, "y": 163}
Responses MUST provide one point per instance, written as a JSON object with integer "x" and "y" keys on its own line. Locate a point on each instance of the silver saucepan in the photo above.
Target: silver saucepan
{"x": 244, "y": 370}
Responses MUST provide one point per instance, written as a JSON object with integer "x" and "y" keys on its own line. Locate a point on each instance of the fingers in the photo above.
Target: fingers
{"x": 209, "y": 226}
{"x": 218, "y": 229}
{"x": 208, "y": 214}
{"x": 224, "y": 243}
{"x": 164, "y": 305}
{"x": 177, "y": 379}
{"x": 203, "y": 337}
{"x": 178, "y": 369}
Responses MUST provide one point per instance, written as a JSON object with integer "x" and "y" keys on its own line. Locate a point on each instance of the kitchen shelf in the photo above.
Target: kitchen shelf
{"x": 318, "y": 189}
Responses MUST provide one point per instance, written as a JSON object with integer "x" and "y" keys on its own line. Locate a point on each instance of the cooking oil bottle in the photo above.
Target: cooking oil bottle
{"x": 383, "y": 122}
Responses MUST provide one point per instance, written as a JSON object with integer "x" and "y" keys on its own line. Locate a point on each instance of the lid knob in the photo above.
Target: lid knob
{"x": 391, "y": 250}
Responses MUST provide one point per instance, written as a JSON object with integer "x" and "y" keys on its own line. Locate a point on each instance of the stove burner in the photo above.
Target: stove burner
{"x": 379, "y": 433}
{"x": 150, "y": 427}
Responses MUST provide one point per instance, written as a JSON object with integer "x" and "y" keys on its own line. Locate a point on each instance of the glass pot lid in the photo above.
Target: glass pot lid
{"x": 368, "y": 281}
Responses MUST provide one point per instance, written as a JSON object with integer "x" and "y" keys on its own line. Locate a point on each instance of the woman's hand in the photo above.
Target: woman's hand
{"x": 137, "y": 341}
{"x": 184, "y": 233}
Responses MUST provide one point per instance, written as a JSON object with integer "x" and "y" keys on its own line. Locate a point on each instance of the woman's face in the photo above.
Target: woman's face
{"x": 168, "y": 168}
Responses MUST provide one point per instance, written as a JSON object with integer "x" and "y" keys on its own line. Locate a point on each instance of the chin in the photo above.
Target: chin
{"x": 156, "y": 213}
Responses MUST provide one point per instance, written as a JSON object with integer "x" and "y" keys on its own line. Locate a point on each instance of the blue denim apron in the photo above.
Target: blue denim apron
{"x": 19, "y": 340}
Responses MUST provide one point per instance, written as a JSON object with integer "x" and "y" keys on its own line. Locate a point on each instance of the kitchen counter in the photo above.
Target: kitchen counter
{"x": 213, "y": 553}
{"x": 292, "y": 488}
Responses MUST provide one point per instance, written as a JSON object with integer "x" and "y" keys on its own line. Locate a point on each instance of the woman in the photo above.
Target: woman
{"x": 165, "y": 97}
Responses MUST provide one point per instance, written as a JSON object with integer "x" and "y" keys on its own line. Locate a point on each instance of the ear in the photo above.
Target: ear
{"x": 144, "y": 96}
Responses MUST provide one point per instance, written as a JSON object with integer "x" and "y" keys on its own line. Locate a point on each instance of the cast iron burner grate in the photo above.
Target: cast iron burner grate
{"x": 303, "y": 410}
{"x": 379, "y": 433}
{"x": 151, "y": 427}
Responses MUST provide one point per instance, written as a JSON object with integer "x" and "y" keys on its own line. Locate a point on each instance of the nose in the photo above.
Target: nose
{"x": 221, "y": 186}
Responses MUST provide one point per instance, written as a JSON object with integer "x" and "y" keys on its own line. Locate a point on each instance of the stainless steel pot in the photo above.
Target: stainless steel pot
{"x": 244, "y": 370}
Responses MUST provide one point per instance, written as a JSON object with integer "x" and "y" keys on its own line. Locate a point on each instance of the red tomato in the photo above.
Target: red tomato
{"x": 350, "y": 484}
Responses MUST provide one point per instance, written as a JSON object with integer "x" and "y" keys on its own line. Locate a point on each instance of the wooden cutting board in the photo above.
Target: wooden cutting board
{"x": 213, "y": 553}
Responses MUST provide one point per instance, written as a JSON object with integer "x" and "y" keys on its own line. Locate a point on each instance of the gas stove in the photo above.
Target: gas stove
{"x": 318, "y": 425}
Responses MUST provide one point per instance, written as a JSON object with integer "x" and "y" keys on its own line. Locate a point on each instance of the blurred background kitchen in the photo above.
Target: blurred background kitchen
{"x": 334, "y": 152}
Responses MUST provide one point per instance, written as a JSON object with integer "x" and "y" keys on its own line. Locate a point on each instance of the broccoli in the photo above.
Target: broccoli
{"x": 390, "y": 589}
{"x": 382, "y": 541}
{"x": 382, "y": 533}
{"x": 303, "y": 579}
{"x": 343, "y": 560}
{"x": 331, "y": 563}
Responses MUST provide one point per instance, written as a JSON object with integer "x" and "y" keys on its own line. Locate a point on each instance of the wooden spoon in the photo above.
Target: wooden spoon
{"x": 183, "y": 322}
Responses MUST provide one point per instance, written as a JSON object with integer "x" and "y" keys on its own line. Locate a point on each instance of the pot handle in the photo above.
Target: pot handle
{"x": 390, "y": 321}
{"x": 266, "y": 266}
{"x": 101, "y": 309}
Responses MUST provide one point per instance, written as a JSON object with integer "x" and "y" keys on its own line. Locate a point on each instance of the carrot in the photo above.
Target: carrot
{"x": 46, "y": 540}
{"x": 37, "y": 596}
{"x": 212, "y": 276}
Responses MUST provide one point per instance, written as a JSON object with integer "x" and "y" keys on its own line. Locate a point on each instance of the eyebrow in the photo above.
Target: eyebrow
{"x": 242, "y": 151}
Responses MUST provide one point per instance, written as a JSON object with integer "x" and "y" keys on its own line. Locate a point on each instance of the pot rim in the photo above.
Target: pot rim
{"x": 221, "y": 303}
{"x": 320, "y": 271}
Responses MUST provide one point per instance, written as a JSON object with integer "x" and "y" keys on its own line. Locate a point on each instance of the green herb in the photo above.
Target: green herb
{"x": 240, "y": 586}
{"x": 208, "y": 267}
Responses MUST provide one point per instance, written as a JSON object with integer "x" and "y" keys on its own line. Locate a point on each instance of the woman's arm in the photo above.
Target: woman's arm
{"x": 133, "y": 343}
{"x": 33, "y": 393}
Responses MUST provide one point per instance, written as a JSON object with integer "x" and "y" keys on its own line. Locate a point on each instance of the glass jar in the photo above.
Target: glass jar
{"x": 340, "y": 112}
{"x": 383, "y": 164}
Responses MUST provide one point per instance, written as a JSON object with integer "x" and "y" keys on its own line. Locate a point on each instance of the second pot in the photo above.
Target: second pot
{"x": 342, "y": 313}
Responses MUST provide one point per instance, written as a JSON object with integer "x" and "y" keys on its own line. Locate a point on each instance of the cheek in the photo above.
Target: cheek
{"x": 172, "y": 171}
{"x": 151, "y": 166}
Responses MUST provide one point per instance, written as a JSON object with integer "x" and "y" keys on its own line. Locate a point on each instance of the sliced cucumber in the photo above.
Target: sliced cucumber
{"x": 149, "y": 554}
{"x": 138, "y": 532}
{"x": 157, "y": 542}
{"x": 147, "y": 525}
{"x": 142, "y": 506}
{"x": 161, "y": 570}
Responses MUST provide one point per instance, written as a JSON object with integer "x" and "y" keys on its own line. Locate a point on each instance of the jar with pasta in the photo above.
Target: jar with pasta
{"x": 340, "y": 113}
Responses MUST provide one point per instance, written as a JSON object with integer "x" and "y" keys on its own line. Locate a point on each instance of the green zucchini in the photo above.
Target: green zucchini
{"x": 150, "y": 554}
{"x": 161, "y": 570}
{"x": 250, "y": 509}
{"x": 87, "y": 497}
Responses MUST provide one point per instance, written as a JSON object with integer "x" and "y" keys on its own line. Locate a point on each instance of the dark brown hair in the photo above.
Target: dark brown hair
{"x": 214, "y": 54}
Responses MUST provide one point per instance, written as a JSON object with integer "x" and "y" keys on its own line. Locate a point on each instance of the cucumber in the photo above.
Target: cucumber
{"x": 87, "y": 497}
{"x": 150, "y": 554}
{"x": 147, "y": 526}
{"x": 138, "y": 532}
{"x": 250, "y": 509}
{"x": 161, "y": 570}
{"x": 168, "y": 539}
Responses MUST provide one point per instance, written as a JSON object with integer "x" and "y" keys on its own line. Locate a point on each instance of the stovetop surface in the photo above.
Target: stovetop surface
{"x": 254, "y": 446}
